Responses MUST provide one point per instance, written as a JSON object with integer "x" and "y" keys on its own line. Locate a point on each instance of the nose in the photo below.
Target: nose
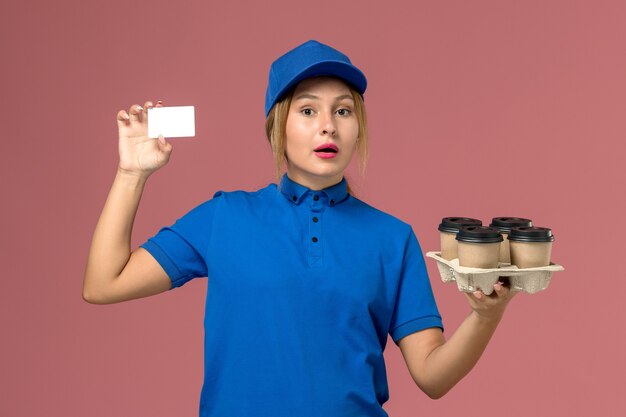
{"x": 328, "y": 125}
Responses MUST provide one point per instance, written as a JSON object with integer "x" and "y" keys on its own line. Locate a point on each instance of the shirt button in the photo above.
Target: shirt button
{"x": 316, "y": 197}
{"x": 314, "y": 239}
{"x": 294, "y": 198}
{"x": 314, "y": 219}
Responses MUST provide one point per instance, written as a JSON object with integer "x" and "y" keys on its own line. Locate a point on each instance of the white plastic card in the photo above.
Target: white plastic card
{"x": 171, "y": 122}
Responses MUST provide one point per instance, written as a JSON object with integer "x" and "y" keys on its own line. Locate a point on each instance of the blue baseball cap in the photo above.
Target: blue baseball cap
{"x": 311, "y": 59}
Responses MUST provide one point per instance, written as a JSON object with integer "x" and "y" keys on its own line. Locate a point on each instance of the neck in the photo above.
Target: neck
{"x": 315, "y": 183}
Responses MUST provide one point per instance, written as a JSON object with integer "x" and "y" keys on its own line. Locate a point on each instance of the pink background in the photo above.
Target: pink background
{"x": 476, "y": 108}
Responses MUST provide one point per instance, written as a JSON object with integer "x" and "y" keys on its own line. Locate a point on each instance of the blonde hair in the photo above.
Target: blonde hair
{"x": 276, "y": 132}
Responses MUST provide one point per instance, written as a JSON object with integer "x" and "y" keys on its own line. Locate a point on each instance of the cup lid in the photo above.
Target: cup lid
{"x": 504, "y": 224}
{"x": 479, "y": 234}
{"x": 531, "y": 234}
{"x": 453, "y": 224}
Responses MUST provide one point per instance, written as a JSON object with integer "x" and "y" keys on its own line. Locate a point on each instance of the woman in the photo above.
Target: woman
{"x": 305, "y": 280}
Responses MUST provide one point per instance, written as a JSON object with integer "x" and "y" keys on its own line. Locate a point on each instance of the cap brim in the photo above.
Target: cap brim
{"x": 346, "y": 72}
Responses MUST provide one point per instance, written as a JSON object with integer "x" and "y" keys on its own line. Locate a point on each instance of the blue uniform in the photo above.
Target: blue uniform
{"x": 303, "y": 288}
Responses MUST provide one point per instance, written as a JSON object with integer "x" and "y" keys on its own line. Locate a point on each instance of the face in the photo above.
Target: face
{"x": 322, "y": 132}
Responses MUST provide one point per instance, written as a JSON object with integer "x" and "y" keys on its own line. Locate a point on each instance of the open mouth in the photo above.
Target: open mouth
{"x": 327, "y": 148}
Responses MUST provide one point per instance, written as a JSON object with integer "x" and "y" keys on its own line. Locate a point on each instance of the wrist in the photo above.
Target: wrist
{"x": 130, "y": 178}
{"x": 491, "y": 319}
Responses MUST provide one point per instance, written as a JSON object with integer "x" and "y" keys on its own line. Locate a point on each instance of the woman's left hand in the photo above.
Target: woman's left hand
{"x": 491, "y": 307}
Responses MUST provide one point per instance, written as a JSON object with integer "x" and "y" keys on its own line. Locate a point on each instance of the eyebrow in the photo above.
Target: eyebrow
{"x": 314, "y": 97}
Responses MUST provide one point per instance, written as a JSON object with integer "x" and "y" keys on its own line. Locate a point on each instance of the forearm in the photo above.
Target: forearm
{"x": 451, "y": 361}
{"x": 110, "y": 246}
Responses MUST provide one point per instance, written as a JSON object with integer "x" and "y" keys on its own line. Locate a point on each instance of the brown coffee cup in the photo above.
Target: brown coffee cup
{"x": 504, "y": 225}
{"x": 447, "y": 234}
{"x": 479, "y": 246}
{"x": 531, "y": 247}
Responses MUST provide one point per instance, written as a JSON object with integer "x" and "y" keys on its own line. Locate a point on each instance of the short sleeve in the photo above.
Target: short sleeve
{"x": 181, "y": 248}
{"x": 415, "y": 308}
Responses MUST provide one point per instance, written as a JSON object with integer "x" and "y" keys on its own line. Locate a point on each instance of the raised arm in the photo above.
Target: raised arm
{"x": 113, "y": 272}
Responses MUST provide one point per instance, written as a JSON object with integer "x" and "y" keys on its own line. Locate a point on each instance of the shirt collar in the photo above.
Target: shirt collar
{"x": 295, "y": 192}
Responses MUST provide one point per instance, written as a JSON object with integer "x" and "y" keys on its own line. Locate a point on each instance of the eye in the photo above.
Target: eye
{"x": 343, "y": 112}
{"x": 307, "y": 112}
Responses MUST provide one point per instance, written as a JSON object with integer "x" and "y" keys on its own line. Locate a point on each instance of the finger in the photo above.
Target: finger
{"x": 164, "y": 146}
{"x": 501, "y": 290}
{"x": 135, "y": 112}
{"x": 159, "y": 103}
{"x": 122, "y": 116}
{"x": 478, "y": 295}
{"x": 147, "y": 105}
{"x": 144, "y": 114}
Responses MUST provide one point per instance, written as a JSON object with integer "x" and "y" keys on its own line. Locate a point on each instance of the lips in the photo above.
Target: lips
{"x": 327, "y": 148}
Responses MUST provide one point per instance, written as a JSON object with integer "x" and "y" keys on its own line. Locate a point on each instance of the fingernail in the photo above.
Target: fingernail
{"x": 139, "y": 108}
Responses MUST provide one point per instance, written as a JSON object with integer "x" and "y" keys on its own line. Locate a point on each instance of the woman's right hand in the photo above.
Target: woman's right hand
{"x": 140, "y": 155}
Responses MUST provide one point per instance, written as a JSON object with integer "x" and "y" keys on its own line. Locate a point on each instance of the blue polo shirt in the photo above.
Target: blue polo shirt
{"x": 303, "y": 288}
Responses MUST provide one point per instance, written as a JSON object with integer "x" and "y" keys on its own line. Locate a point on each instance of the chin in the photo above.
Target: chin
{"x": 328, "y": 174}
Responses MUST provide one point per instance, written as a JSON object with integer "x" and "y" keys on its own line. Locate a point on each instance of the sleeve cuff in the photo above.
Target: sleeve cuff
{"x": 166, "y": 263}
{"x": 415, "y": 326}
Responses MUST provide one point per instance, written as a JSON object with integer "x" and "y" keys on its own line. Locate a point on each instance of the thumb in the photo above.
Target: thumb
{"x": 164, "y": 146}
